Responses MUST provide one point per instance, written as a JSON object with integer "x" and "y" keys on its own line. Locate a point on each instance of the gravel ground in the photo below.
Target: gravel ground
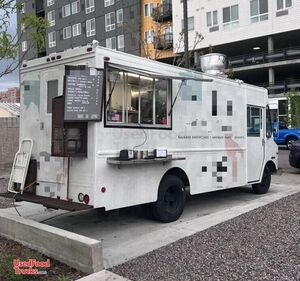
{"x": 263, "y": 244}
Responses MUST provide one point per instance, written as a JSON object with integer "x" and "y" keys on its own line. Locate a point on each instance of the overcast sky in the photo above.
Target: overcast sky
{"x": 10, "y": 80}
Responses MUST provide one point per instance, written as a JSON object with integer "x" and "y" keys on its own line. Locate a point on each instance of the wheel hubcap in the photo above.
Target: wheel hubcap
{"x": 171, "y": 200}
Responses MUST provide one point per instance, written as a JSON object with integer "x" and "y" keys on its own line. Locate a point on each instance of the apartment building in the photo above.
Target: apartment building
{"x": 261, "y": 38}
{"x": 72, "y": 23}
{"x": 12, "y": 95}
{"x": 157, "y": 30}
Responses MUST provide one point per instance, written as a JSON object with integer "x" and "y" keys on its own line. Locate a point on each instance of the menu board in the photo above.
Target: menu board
{"x": 83, "y": 93}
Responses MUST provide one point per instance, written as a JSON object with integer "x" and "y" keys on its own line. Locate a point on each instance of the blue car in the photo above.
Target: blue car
{"x": 285, "y": 136}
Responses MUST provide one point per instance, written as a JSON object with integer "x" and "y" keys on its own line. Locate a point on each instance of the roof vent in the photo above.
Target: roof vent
{"x": 213, "y": 63}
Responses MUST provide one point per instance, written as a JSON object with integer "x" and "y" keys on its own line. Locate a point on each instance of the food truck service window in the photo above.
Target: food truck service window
{"x": 137, "y": 100}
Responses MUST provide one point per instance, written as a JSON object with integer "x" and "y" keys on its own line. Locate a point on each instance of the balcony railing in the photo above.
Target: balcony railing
{"x": 164, "y": 42}
{"x": 264, "y": 57}
{"x": 281, "y": 86}
{"x": 162, "y": 12}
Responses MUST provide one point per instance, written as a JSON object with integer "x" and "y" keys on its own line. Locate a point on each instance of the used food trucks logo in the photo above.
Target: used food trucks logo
{"x": 30, "y": 267}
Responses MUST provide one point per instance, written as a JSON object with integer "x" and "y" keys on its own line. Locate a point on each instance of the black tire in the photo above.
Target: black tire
{"x": 264, "y": 185}
{"x": 170, "y": 201}
{"x": 290, "y": 141}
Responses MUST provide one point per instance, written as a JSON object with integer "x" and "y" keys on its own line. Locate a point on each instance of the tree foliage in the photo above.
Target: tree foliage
{"x": 10, "y": 40}
{"x": 293, "y": 109}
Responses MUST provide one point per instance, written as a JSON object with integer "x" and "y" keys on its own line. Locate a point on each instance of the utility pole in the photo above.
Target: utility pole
{"x": 186, "y": 34}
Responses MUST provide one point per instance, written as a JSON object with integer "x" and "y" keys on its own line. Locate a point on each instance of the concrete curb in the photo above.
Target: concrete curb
{"x": 75, "y": 250}
{"x": 103, "y": 275}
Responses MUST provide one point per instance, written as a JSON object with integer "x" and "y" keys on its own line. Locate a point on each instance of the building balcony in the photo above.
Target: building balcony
{"x": 280, "y": 87}
{"x": 162, "y": 12}
{"x": 264, "y": 57}
{"x": 164, "y": 42}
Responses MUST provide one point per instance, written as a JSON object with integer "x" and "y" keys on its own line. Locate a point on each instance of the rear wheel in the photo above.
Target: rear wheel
{"x": 290, "y": 141}
{"x": 171, "y": 199}
{"x": 264, "y": 185}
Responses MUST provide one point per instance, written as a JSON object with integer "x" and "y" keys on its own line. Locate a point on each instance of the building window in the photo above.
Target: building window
{"x": 52, "y": 39}
{"x": 149, "y": 36}
{"x": 52, "y": 90}
{"x": 76, "y": 29}
{"x": 283, "y": 4}
{"x": 66, "y": 10}
{"x": 110, "y": 21}
{"x": 90, "y": 27}
{"x": 231, "y": 16}
{"x": 120, "y": 16}
{"x": 51, "y": 18}
{"x": 89, "y": 6}
{"x": 212, "y": 18}
{"x": 121, "y": 42}
{"x": 75, "y": 7}
{"x": 50, "y": 2}
{"x": 67, "y": 32}
{"x": 108, "y": 3}
{"x": 148, "y": 9}
{"x": 111, "y": 43}
{"x": 24, "y": 46}
{"x": 190, "y": 24}
{"x": 136, "y": 100}
{"x": 258, "y": 10}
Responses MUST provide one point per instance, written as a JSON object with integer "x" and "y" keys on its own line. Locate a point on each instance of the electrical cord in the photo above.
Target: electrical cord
{"x": 145, "y": 140}
{"x": 14, "y": 197}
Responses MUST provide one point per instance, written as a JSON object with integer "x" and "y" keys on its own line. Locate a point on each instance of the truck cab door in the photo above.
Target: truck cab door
{"x": 255, "y": 143}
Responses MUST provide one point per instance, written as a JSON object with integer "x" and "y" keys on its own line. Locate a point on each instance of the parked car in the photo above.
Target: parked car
{"x": 284, "y": 135}
{"x": 294, "y": 157}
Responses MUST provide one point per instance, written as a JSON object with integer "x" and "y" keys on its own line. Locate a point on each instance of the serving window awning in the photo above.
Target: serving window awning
{"x": 155, "y": 74}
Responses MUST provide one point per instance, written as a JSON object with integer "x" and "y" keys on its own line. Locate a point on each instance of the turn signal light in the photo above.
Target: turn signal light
{"x": 86, "y": 199}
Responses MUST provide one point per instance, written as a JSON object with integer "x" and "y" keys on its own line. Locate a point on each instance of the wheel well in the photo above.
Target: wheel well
{"x": 290, "y": 137}
{"x": 271, "y": 166}
{"x": 179, "y": 173}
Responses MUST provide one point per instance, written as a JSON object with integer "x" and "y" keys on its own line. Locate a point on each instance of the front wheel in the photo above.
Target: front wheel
{"x": 264, "y": 185}
{"x": 290, "y": 142}
{"x": 170, "y": 201}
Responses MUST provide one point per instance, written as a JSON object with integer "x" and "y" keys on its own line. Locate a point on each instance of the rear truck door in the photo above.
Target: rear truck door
{"x": 51, "y": 175}
{"x": 255, "y": 142}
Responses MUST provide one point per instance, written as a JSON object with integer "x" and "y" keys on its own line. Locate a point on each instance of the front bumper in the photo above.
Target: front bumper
{"x": 294, "y": 160}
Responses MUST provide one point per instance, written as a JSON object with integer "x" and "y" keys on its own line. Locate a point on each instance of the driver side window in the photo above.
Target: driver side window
{"x": 254, "y": 121}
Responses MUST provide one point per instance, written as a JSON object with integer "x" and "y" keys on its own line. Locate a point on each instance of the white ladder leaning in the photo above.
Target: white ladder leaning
{"x": 20, "y": 167}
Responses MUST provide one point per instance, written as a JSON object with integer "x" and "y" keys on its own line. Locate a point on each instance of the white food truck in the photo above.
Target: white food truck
{"x": 112, "y": 130}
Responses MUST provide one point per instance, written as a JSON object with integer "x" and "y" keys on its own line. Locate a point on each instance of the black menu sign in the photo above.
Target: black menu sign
{"x": 83, "y": 93}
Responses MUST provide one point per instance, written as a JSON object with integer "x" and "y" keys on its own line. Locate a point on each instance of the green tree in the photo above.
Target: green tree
{"x": 293, "y": 110}
{"x": 10, "y": 41}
